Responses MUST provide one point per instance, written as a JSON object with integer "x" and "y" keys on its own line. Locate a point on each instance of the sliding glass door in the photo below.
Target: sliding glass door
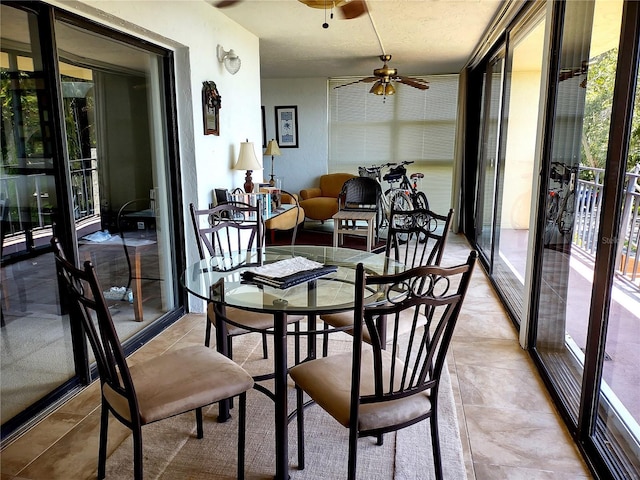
{"x": 509, "y": 120}
{"x": 588, "y": 304}
{"x": 86, "y": 155}
{"x": 36, "y": 355}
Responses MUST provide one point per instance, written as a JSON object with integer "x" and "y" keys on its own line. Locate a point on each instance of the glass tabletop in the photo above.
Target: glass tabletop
{"x": 333, "y": 292}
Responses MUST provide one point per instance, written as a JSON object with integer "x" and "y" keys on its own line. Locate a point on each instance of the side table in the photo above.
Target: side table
{"x": 345, "y": 222}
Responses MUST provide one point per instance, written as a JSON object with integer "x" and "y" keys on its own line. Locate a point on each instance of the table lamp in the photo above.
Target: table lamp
{"x": 247, "y": 161}
{"x": 273, "y": 150}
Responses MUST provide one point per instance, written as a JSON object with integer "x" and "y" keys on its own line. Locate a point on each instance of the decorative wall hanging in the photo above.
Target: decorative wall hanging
{"x": 287, "y": 126}
{"x": 211, "y": 104}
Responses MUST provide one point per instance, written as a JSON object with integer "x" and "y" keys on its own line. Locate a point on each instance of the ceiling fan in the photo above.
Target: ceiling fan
{"x": 383, "y": 78}
{"x": 348, "y": 8}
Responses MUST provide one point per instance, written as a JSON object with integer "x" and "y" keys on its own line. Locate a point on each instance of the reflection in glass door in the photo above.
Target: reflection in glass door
{"x": 117, "y": 164}
{"x": 489, "y": 151}
{"x": 517, "y": 160}
{"x": 109, "y": 197}
{"x": 568, "y": 327}
{"x": 36, "y": 340}
{"x": 618, "y": 421}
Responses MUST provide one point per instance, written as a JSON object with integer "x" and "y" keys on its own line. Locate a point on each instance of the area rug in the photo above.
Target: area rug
{"x": 172, "y": 451}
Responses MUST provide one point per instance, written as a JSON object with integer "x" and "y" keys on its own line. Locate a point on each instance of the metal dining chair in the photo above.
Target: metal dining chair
{"x": 392, "y": 385}
{"x": 221, "y": 230}
{"x": 170, "y": 384}
{"x": 415, "y": 238}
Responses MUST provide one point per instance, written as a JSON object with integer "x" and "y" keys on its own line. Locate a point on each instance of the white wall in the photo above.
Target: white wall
{"x": 299, "y": 167}
{"x": 193, "y": 29}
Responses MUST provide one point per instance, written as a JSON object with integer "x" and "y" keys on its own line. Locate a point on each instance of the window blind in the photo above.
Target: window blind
{"x": 413, "y": 125}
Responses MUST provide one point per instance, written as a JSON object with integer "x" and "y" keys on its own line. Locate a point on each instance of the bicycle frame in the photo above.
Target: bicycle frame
{"x": 405, "y": 196}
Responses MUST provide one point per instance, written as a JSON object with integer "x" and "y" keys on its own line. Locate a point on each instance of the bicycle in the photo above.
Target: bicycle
{"x": 407, "y": 184}
{"x": 561, "y": 201}
{"x": 405, "y": 196}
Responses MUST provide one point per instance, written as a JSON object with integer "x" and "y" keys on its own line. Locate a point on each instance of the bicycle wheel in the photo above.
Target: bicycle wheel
{"x": 566, "y": 216}
{"x": 398, "y": 201}
{"x": 419, "y": 200}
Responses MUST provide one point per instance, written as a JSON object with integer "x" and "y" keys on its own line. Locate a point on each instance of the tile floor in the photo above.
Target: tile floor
{"x": 509, "y": 427}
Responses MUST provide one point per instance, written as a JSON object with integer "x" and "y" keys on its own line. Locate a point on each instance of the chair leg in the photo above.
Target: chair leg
{"x": 137, "y": 452}
{"x": 199, "y": 429}
{"x": 207, "y": 335}
{"x": 380, "y": 438}
{"x": 102, "y": 450}
{"x": 435, "y": 444}
{"x": 230, "y": 350}
{"x": 325, "y": 341}
{"x": 296, "y": 341}
{"x": 353, "y": 453}
{"x": 242, "y": 427}
{"x": 265, "y": 354}
{"x": 300, "y": 419}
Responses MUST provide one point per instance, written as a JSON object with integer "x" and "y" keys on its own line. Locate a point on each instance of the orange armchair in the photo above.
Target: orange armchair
{"x": 288, "y": 220}
{"x": 321, "y": 203}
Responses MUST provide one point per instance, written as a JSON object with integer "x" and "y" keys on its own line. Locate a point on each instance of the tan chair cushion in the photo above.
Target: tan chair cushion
{"x": 328, "y": 381}
{"x": 345, "y": 319}
{"x": 262, "y": 321}
{"x": 180, "y": 381}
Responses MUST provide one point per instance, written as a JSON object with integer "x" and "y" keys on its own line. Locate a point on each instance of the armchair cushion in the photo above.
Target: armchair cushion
{"x": 321, "y": 203}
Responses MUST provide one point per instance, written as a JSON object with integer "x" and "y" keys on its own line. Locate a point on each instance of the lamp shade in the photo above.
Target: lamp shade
{"x": 247, "y": 159}
{"x": 272, "y": 149}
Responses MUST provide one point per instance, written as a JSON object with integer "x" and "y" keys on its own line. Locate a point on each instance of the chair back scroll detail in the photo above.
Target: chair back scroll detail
{"x": 418, "y": 237}
{"x": 416, "y": 357}
{"x": 228, "y": 227}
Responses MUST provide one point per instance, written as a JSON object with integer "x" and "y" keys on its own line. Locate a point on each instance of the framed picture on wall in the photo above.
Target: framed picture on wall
{"x": 287, "y": 126}
{"x": 264, "y": 130}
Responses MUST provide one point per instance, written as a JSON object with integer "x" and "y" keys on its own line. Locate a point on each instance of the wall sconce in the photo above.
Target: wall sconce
{"x": 230, "y": 60}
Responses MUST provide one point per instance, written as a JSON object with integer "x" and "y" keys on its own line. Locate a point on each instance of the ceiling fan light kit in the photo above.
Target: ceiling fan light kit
{"x": 384, "y": 78}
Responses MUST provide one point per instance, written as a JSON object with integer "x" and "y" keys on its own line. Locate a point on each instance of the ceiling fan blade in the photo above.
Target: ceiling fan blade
{"x": 413, "y": 82}
{"x": 362, "y": 80}
{"x": 353, "y": 9}
{"x": 225, "y": 3}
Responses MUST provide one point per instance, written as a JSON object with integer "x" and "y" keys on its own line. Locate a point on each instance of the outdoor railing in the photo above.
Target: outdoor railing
{"x": 587, "y": 216}
{"x": 26, "y": 197}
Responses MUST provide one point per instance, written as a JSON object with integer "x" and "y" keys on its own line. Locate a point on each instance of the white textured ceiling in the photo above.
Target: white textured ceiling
{"x": 423, "y": 36}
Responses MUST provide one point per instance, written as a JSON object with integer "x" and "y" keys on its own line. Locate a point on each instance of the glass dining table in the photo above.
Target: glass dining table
{"x": 330, "y": 293}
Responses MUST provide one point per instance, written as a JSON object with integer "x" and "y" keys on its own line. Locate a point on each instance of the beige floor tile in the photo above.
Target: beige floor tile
{"x": 75, "y": 455}
{"x": 491, "y": 352}
{"x": 513, "y": 438}
{"x": 503, "y": 388}
{"x": 20, "y": 453}
{"x": 496, "y": 472}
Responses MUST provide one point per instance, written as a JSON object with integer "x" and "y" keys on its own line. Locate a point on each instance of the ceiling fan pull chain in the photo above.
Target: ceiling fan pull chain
{"x": 325, "y": 24}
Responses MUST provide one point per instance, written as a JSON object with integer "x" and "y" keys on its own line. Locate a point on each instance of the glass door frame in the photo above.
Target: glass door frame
{"x": 64, "y": 227}
{"x": 497, "y": 58}
{"x": 589, "y": 438}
